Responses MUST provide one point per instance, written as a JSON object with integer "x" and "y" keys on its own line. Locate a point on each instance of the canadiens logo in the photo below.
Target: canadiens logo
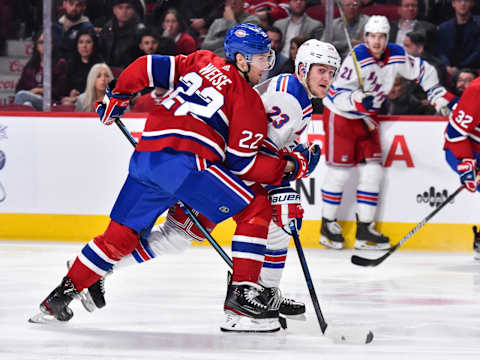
{"x": 240, "y": 33}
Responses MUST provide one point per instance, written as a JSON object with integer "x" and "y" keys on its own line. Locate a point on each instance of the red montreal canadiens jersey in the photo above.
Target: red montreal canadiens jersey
{"x": 462, "y": 135}
{"x": 210, "y": 110}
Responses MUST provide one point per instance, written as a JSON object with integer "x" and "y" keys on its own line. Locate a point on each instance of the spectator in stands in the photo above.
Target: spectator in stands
{"x": 148, "y": 43}
{"x": 414, "y": 44}
{"x": 120, "y": 34}
{"x": 289, "y": 65}
{"x": 276, "y": 38}
{"x": 174, "y": 28}
{"x": 408, "y": 11}
{"x": 402, "y": 102}
{"x": 149, "y": 101}
{"x": 97, "y": 80}
{"x": 459, "y": 38}
{"x": 298, "y": 24}
{"x": 268, "y": 11}
{"x": 29, "y": 90}
{"x": 355, "y": 24}
{"x": 67, "y": 27}
{"x": 199, "y": 14}
{"x": 86, "y": 55}
{"x": 463, "y": 79}
{"x": 233, "y": 14}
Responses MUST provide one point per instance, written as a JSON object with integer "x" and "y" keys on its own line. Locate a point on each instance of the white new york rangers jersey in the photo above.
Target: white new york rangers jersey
{"x": 288, "y": 108}
{"x": 378, "y": 78}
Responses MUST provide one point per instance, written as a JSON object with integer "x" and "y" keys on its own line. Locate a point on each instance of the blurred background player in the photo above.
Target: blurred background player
{"x": 462, "y": 143}
{"x": 351, "y": 128}
{"x": 218, "y": 130}
{"x": 285, "y": 96}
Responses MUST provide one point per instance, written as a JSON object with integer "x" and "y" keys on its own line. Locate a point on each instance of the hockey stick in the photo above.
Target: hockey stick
{"x": 361, "y": 261}
{"x": 337, "y": 335}
{"x": 180, "y": 203}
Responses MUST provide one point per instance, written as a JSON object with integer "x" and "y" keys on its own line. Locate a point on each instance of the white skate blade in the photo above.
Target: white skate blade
{"x": 87, "y": 300}
{"x": 300, "y": 317}
{"x": 368, "y": 245}
{"x": 348, "y": 336}
{"x": 244, "y": 324}
{"x": 476, "y": 256}
{"x": 42, "y": 318}
{"x": 330, "y": 244}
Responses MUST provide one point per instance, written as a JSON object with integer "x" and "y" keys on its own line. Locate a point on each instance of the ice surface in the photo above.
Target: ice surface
{"x": 419, "y": 305}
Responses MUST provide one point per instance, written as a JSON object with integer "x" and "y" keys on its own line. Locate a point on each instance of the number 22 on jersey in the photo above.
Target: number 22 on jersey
{"x": 205, "y": 102}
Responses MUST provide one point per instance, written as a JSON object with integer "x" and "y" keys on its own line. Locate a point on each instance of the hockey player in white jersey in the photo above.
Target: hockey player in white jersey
{"x": 351, "y": 128}
{"x": 287, "y": 102}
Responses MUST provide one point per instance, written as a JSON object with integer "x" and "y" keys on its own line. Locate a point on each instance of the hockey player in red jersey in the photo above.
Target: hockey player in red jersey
{"x": 462, "y": 144}
{"x": 287, "y": 101}
{"x": 351, "y": 128}
{"x": 192, "y": 148}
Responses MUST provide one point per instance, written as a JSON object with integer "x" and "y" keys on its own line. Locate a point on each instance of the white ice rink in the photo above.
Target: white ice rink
{"x": 419, "y": 305}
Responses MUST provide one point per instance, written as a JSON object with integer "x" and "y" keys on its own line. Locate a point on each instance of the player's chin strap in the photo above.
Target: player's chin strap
{"x": 244, "y": 73}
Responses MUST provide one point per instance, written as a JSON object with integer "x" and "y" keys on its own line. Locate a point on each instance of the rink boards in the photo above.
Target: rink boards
{"x": 60, "y": 174}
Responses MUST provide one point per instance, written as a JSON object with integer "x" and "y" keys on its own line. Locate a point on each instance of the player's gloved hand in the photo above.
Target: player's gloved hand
{"x": 286, "y": 207}
{"x": 363, "y": 101}
{"x": 112, "y": 106}
{"x": 467, "y": 169}
{"x": 442, "y": 100}
{"x": 312, "y": 154}
{"x": 300, "y": 163}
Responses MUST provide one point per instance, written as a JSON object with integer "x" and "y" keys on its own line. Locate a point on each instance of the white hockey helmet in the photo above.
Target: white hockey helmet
{"x": 377, "y": 24}
{"x": 314, "y": 51}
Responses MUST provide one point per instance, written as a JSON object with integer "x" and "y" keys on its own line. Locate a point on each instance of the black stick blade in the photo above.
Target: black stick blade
{"x": 361, "y": 261}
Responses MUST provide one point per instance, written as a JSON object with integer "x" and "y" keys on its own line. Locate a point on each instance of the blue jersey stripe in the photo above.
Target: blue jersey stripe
{"x": 161, "y": 65}
{"x": 241, "y": 246}
{"x": 96, "y": 259}
{"x": 147, "y": 248}
{"x": 367, "y": 193}
{"x": 238, "y": 163}
{"x": 276, "y": 252}
{"x": 137, "y": 256}
{"x": 273, "y": 265}
{"x": 367, "y": 202}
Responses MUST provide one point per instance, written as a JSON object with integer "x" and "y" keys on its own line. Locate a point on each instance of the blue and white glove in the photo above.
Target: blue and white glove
{"x": 467, "y": 169}
{"x": 112, "y": 106}
{"x": 286, "y": 207}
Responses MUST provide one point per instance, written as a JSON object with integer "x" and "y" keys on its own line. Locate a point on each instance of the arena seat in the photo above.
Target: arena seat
{"x": 16, "y": 107}
{"x": 389, "y": 10}
{"x": 318, "y": 12}
{"x": 63, "y": 108}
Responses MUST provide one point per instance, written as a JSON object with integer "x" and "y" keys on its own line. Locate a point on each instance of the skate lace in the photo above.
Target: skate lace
{"x": 251, "y": 295}
{"x": 334, "y": 227}
{"x": 276, "y": 298}
{"x": 102, "y": 285}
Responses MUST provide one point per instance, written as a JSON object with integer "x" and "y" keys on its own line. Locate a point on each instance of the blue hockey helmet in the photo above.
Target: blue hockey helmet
{"x": 246, "y": 39}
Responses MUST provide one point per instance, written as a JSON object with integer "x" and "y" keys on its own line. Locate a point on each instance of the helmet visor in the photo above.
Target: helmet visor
{"x": 264, "y": 61}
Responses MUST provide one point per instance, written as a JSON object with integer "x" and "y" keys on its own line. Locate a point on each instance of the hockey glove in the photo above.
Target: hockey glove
{"x": 286, "y": 207}
{"x": 467, "y": 169}
{"x": 442, "y": 100}
{"x": 112, "y": 106}
{"x": 312, "y": 154}
{"x": 363, "y": 101}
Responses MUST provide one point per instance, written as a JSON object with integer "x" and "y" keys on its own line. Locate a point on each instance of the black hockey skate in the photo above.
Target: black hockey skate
{"x": 246, "y": 311}
{"x": 476, "y": 243}
{"x": 370, "y": 239}
{"x": 56, "y": 304}
{"x": 331, "y": 234}
{"x": 288, "y": 307}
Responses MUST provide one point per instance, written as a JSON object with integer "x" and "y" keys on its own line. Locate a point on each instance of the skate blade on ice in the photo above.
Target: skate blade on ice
{"x": 42, "y": 318}
{"x": 330, "y": 244}
{"x": 368, "y": 245}
{"x": 244, "y": 324}
{"x": 300, "y": 317}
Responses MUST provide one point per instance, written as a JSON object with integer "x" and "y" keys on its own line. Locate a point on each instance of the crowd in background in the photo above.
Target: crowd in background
{"x": 93, "y": 40}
